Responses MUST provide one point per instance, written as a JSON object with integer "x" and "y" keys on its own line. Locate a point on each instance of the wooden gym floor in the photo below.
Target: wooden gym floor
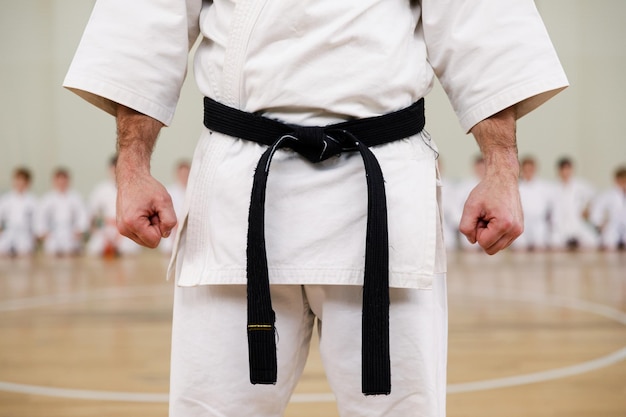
{"x": 531, "y": 335}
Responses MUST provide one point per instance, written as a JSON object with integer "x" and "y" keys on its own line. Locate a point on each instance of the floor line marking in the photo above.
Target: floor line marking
{"x": 80, "y": 394}
{"x": 541, "y": 376}
{"x": 516, "y": 380}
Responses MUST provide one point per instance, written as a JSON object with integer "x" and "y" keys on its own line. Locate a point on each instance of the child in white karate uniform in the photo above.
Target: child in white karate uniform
{"x": 608, "y": 213}
{"x": 62, "y": 218}
{"x": 17, "y": 211}
{"x": 570, "y": 202}
{"x": 535, "y": 195}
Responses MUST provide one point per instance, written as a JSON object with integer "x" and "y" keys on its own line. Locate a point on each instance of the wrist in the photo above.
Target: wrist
{"x": 131, "y": 165}
{"x": 503, "y": 162}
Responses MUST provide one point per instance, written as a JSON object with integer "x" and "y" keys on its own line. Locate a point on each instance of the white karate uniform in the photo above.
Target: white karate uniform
{"x": 535, "y": 197}
{"x": 102, "y": 209}
{"x": 17, "y": 228}
{"x": 567, "y": 206}
{"x": 311, "y": 63}
{"x": 61, "y": 219}
{"x": 608, "y": 212}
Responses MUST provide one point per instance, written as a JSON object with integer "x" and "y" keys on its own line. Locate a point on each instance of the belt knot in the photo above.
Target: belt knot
{"x": 314, "y": 143}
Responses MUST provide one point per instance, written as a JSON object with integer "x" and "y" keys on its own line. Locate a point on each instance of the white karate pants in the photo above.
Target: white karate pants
{"x": 61, "y": 242}
{"x": 584, "y": 234}
{"x": 612, "y": 235}
{"x": 16, "y": 241}
{"x": 209, "y": 367}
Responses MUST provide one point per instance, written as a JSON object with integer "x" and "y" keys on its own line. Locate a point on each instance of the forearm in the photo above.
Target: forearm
{"x": 136, "y": 137}
{"x": 492, "y": 215}
{"x": 144, "y": 208}
{"x": 496, "y": 137}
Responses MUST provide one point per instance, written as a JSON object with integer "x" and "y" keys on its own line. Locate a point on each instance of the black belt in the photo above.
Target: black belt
{"x": 317, "y": 144}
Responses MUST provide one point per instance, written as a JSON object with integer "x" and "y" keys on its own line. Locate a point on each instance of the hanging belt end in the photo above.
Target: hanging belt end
{"x": 262, "y": 353}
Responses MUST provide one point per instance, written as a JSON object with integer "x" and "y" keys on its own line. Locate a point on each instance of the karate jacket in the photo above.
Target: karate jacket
{"x": 314, "y": 63}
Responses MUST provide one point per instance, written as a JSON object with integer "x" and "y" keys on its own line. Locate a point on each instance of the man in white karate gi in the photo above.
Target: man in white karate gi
{"x": 62, "y": 218}
{"x": 608, "y": 213}
{"x": 570, "y": 203}
{"x": 535, "y": 195}
{"x": 325, "y": 79}
{"x": 17, "y": 216}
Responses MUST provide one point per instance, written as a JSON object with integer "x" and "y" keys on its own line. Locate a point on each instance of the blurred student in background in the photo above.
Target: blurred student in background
{"x": 570, "y": 202}
{"x": 62, "y": 218}
{"x": 17, "y": 216}
{"x": 608, "y": 213}
{"x": 535, "y": 195}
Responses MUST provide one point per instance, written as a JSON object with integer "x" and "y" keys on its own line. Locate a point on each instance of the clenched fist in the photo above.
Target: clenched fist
{"x": 145, "y": 212}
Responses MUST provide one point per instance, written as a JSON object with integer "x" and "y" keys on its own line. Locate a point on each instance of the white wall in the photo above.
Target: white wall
{"x": 42, "y": 125}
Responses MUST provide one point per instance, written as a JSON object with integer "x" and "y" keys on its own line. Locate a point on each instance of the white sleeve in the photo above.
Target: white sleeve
{"x": 135, "y": 53}
{"x": 489, "y": 55}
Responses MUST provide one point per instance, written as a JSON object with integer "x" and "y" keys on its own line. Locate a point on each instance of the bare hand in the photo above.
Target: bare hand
{"x": 145, "y": 212}
{"x": 492, "y": 215}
